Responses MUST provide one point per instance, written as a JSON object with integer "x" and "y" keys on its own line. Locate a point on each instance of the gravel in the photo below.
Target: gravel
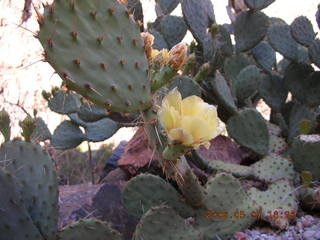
{"x": 306, "y": 228}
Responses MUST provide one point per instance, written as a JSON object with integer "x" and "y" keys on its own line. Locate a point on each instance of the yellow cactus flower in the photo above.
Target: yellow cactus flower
{"x": 190, "y": 121}
{"x": 178, "y": 56}
{"x": 160, "y": 57}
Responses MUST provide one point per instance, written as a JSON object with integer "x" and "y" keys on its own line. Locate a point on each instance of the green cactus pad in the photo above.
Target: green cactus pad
{"x": 64, "y": 103}
{"x": 247, "y": 82}
{"x": 166, "y": 6}
{"x": 96, "y": 48}
{"x": 273, "y": 91}
{"x": 41, "y": 131}
{"x": 303, "y": 55}
{"x": 282, "y": 65}
{"x": 309, "y": 198}
{"x": 199, "y": 16}
{"x": 224, "y": 41}
{"x": 191, "y": 189}
{"x": 91, "y": 113}
{"x": 186, "y": 86}
{"x": 314, "y": 51}
{"x": 74, "y": 117}
{"x": 223, "y": 94}
{"x": 15, "y": 222}
{"x": 278, "y": 202}
{"x": 5, "y": 125}
{"x": 305, "y": 154}
{"x": 249, "y": 129}
{"x": 295, "y": 79}
{"x": 35, "y": 172}
{"x": 146, "y": 191}
{"x": 101, "y": 130}
{"x": 302, "y": 31}
{"x": 173, "y": 29}
{"x": 258, "y": 4}
{"x": 89, "y": 229}
{"x": 226, "y": 197}
{"x": 249, "y": 29}
{"x": 265, "y": 56}
{"x": 297, "y": 114}
{"x": 67, "y": 136}
{"x": 277, "y": 145}
{"x": 280, "y": 38}
{"x": 164, "y": 223}
{"x": 159, "y": 41}
{"x": 272, "y": 168}
{"x": 234, "y": 64}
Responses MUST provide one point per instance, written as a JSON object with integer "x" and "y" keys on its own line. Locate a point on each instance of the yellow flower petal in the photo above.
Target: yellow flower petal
{"x": 180, "y": 135}
{"x": 169, "y": 118}
{"x": 192, "y": 106}
{"x": 173, "y": 99}
{"x": 197, "y": 127}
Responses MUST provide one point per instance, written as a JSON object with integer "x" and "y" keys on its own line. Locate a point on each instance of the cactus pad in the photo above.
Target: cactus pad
{"x": 302, "y": 31}
{"x": 67, "y": 135}
{"x": 273, "y": 91}
{"x": 5, "y": 125}
{"x": 186, "y": 86}
{"x": 272, "y": 168}
{"x": 247, "y": 82}
{"x": 91, "y": 113}
{"x": 249, "y": 29}
{"x": 167, "y": 6}
{"x": 199, "y": 16}
{"x": 96, "y": 48}
{"x": 101, "y": 130}
{"x": 249, "y": 129}
{"x": 280, "y": 38}
{"x": 225, "y": 195}
{"x": 314, "y": 50}
{"x": 164, "y": 223}
{"x": 265, "y": 56}
{"x": 36, "y": 174}
{"x": 146, "y": 191}
{"x": 305, "y": 154}
{"x": 15, "y": 222}
{"x": 89, "y": 229}
{"x": 64, "y": 103}
{"x": 278, "y": 203}
{"x": 258, "y": 4}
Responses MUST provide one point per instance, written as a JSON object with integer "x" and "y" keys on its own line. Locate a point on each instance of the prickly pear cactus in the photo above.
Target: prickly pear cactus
{"x": 15, "y": 221}
{"x": 89, "y": 229}
{"x": 37, "y": 182}
{"x": 103, "y": 46}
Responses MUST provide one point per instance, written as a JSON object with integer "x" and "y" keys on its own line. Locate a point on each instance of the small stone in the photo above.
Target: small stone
{"x": 240, "y": 236}
{"x": 307, "y": 221}
{"x": 299, "y": 225}
{"x": 308, "y": 235}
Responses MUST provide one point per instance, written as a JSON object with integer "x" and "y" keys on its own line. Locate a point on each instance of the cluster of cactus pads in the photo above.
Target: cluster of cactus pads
{"x": 108, "y": 82}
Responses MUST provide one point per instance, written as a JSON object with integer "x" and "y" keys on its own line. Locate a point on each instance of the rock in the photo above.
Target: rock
{"x": 308, "y": 235}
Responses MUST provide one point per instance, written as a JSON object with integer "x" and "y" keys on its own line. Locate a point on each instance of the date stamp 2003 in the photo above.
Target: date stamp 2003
{"x": 240, "y": 214}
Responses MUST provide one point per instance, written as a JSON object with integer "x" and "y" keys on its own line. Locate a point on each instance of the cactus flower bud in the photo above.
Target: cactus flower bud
{"x": 190, "y": 121}
{"x": 148, "y": 40}
{"x": 178, "y": 56}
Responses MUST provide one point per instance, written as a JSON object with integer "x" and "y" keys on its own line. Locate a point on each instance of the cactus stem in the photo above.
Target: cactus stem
{"x": 74, "y": 35}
